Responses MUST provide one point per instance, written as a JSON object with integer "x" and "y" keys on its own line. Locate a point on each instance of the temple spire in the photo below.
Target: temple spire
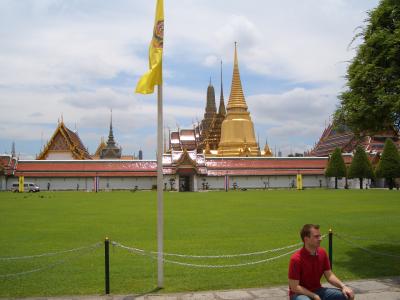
{"x": 111, "y": 141}
{"x": 221, "y": 109}
{"x": 236, "y": 98}
{"x": 13, "y": 152}
{"x": 237, "y": 129}
{"x": 111, "y": 151}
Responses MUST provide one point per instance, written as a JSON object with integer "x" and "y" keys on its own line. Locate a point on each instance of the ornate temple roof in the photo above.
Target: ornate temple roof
{"x": 8, "y": 164}
{"x": 64, "y": 142}
{"x": 184, "y": 139}
{"x": 343, "y": 138}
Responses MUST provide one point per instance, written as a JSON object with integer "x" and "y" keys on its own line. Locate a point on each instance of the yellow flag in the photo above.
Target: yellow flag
{"x": 154, "y": 75}
{"x": 299, "y": 182}
{"x": 21, "y": 184}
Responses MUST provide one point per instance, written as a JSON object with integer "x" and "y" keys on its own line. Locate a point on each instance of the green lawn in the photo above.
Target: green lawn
{"x": 209, "y": 223}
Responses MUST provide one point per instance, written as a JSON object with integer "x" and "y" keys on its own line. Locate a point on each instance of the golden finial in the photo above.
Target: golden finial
{"x": 236, "y": 98}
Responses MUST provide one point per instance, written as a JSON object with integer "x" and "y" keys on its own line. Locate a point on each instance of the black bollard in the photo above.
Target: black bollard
{"x": 107, "y": 263}
{"x": 330, "y": 248}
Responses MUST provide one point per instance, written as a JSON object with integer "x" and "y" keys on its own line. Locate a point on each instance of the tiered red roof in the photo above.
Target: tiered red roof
{"x": 86, "y": 168}
{"x": 266, "y": 166}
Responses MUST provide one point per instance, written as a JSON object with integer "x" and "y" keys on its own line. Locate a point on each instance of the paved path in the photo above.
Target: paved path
{"x": 373, "y": 289}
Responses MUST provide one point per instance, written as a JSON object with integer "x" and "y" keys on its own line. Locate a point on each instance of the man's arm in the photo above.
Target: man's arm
{"x": 295, "y": 287}
{"x": 332, "y": 279}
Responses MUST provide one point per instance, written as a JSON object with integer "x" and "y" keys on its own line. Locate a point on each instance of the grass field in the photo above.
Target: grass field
{"x": 210, "y": 223}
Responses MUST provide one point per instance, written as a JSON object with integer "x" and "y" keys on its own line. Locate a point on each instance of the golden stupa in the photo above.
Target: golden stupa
{"x": 237, "y": 130}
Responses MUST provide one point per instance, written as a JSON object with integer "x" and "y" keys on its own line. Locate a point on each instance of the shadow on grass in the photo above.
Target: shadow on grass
{"x": 372, "y": 261}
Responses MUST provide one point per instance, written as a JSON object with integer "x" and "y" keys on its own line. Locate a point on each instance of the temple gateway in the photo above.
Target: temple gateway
{"x": 220, "y": 152}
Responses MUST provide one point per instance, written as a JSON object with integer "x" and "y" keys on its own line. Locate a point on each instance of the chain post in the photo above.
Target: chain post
{"x": 331, "y": 248}
{"x": 107, "y": 264}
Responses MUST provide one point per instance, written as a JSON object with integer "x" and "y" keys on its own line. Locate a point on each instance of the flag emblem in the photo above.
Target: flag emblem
{"x": 158, "y": 35}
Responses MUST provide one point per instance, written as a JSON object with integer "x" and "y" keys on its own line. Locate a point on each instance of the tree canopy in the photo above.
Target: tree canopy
{"x": 336, "y": 166}
{"x": 371, "y": 102}
{"x": 360, "y": 166}
{"x": 389, "y": 164}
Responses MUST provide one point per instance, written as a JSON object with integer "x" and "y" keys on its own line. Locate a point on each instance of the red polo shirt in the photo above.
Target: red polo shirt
{"x": 308, "y": 269}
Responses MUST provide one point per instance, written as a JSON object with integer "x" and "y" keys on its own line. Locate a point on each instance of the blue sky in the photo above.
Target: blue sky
{"x": 79, "y": 59}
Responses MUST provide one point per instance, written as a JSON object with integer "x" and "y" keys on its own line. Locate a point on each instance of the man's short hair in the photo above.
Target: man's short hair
{"x": 306, "y": 230}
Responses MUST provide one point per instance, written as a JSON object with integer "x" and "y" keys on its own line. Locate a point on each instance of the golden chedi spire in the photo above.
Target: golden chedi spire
{"x": 236, "y": 98}
{"x": 237, "y": 130}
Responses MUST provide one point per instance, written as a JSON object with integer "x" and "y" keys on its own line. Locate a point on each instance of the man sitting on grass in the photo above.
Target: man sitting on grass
{"x": 306, "y": 268}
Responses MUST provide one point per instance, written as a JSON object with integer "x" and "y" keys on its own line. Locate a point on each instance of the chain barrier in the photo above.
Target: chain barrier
{"x": 152, "y": 254}
{"x": 366, "y": 249}
{"x": 47, "y": 254}
{"x": 50, "y": 266}
{"x": 232, "y": 265}
{"x": 144, "y": 252}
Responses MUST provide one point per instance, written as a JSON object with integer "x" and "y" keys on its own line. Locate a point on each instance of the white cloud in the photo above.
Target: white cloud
{"x": 74, "y": 57}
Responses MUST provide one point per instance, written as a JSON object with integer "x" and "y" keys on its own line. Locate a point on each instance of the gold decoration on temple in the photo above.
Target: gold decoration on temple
{"x": 267, "y": 150}
{"x": 207, "y": 150}
{"x": 101, "y": 146}
{"x": 237, "y": 130}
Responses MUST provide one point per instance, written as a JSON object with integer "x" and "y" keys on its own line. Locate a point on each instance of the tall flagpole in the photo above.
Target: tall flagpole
{"x": 160, "y": 200}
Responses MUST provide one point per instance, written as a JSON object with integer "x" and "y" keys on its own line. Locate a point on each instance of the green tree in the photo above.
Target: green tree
{"x": 372, "y": 103}
{"x": 389, "y": 164}
{"x": 336, "y": 166}
{"x": 360, "y": 166}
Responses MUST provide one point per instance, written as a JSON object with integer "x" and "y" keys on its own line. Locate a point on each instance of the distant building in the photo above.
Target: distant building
{"x": 140, "y": 155}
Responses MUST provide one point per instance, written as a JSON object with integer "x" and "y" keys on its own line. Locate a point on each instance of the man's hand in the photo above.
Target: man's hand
{"x": 348, "y": 292}
{"x": 316, "y": 297}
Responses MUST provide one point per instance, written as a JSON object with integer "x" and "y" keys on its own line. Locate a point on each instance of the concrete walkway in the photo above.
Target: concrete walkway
{"x": 382, "y": 289}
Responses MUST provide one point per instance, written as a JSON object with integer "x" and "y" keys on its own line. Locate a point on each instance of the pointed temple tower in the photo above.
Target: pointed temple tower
{"x": 237, "y": 131}
{"x": 211, "y": 111}
{"x": 111, "y": 151}
{"x": 214, "y": 135}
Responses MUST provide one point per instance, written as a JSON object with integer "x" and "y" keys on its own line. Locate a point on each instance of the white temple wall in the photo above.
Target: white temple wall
{"x": 2, "y": 183}
{"x": 126, "y": 183}
{"x": 260, "y": 182}
{"x": 87, "y": 183}
{"x": 199, "y": 183}
{"x": 352, "y": 183}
